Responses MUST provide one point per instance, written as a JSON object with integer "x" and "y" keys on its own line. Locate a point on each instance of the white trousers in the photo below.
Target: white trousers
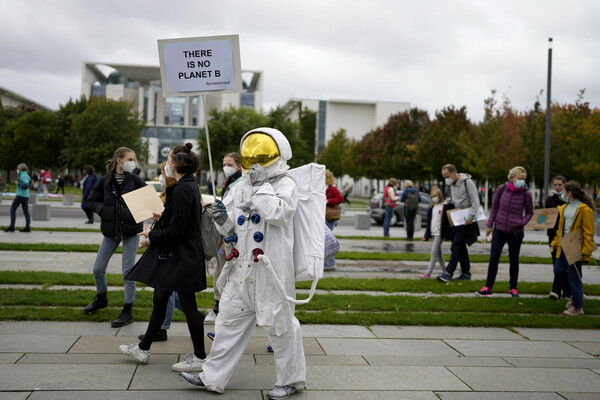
{"x": 233, "y": 327}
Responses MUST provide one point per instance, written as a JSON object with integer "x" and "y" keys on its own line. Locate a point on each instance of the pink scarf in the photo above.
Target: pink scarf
{"x": 513, "y": 188}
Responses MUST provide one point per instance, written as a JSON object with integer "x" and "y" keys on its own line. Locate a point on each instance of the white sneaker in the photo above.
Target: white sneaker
{"x": 190, "y": 363}
{"x": 281, "y": 392}
{"x": 134, "y": 351}
{"x": 210, "y": 317}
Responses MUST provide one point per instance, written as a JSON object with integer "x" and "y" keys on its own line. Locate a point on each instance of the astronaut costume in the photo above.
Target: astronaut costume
{"x": 260, "y": 235}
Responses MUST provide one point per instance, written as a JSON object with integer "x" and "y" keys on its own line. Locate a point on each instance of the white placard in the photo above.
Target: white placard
{"x": 458, "y": 216}
{"x": 143, "y": 202}
{"x": 193, "y": 66}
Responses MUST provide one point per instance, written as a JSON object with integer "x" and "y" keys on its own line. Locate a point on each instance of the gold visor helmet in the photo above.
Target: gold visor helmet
{"x": 259, "y": 148}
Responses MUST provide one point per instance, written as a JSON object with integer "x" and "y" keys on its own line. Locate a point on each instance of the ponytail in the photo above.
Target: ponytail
{"x": 575, "y": 189}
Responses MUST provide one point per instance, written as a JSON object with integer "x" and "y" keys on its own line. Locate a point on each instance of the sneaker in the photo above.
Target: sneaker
{"x": 192, "y": 379}
{"x": 161, "y": 336}
{"x": 569, "y": 304}
{"x": 281, "y": 392}
{"x": 189, "y": 363}
{"x": 574, "y": 311}
{"x": 122, "y": 320}
{"x": 210, "y": 317}
{"x": 445, "y": 277}
{"x": 513, "y": 293}
{"x": 134, "y": 351}
{"x": 99, "y": 302}
{"x": 425, "y": 276}
{"x": 464, "y": 277}
{"x": 211, "y": 335}
{"x": 484, "y": 292}
{"x": 270, "y": 349}
{"x": 554, "y": 296}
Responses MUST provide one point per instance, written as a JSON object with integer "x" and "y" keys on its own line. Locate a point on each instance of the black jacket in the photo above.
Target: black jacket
{"x": 175, "y": 258}
{"x": 106, "y": 201}
{"x": 446, "y": 230}
{"x": 554, "y": 200}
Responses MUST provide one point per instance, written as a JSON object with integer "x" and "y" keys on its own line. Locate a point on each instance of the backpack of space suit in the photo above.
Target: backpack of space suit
{"x": 309, "y": 219}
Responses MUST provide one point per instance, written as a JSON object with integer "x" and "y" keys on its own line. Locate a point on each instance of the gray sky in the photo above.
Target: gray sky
{"x": 429, "y": 53}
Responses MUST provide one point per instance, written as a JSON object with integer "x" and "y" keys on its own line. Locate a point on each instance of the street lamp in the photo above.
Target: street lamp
{"x": 548, "y": 109}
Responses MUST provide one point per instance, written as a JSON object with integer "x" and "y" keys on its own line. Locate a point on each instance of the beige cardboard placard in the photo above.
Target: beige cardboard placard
{"x": 143, "y": 202}
{"x": 458, "y": 216}
{"x": 543, "y": 218}
{"x": 571, "y": 245}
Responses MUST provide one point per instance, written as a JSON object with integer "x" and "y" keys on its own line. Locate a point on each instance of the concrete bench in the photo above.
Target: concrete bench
{"x": 67, "y": 199}
{"x": 362, "y": 221}
{"x": 41, "y": 212}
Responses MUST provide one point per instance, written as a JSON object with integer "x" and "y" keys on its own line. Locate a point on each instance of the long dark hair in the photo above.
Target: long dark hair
{"x": 575, "y": 189}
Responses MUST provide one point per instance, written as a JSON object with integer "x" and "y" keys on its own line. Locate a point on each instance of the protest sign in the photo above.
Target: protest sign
{"x": 543, "y": 218}
{"x": 458, "y": 216}
{"x": 143, "y": 202}
{"x": 571, "y": 245}
{"x": 193, "y": 66}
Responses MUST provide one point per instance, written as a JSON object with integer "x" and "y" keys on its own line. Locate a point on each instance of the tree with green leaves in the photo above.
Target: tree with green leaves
{"x": 100, "y": 129}
{"x": 335, "y": 154}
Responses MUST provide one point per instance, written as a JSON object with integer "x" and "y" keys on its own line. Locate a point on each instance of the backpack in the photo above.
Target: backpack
{"x": 412, "y": 203}
{"x": 211, "y": 238}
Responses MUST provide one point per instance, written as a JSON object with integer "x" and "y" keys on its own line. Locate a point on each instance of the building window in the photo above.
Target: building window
{"x": 174, "y": 110}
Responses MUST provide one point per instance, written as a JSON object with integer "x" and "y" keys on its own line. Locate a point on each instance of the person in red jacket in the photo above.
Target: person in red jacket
{"x": 334, "y": 197}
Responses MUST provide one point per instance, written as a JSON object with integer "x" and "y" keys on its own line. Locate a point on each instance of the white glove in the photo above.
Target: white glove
{"x": 257, "y": 174}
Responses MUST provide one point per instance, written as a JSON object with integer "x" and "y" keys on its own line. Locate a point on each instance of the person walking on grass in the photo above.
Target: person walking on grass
{"x": 577, "y": 213}
{"x": 21, "y": 199}
{"x": 512, "y": 208}
{"x": 438, "y": 229}
{"x": 463, "y": 194}
{"x": 117, "y": 225}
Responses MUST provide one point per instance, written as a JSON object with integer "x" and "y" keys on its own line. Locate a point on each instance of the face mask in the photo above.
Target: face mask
{"x": 519, "y": 183}
{"x": 161, "y": 180}
{"x": 435, "y": 200}
{"x": 565, "y": 199}
{"x": 169, "y": 171}
{"x": 228, "y": 171}
{"x": 129, "y": 166}
{"x": 449, "y": 181}
{"x": 558, "y": 193}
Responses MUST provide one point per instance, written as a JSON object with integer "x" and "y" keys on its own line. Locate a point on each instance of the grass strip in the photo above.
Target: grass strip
{"x": 61, "y": 229}
{"x": 55, "y": 247}
{"x": 386, "y": 285}
{"x": 474, "y": 258}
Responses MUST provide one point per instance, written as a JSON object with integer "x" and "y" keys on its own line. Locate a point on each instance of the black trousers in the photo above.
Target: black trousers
{"x": 410, "y": 223}
{"x": 89, "y": 213}
{"x": 459, "y": 252}
{"x": 195, "y": 319}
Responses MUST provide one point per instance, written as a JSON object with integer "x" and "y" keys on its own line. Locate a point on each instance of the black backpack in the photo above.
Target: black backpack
{"x": 412, "y": 202}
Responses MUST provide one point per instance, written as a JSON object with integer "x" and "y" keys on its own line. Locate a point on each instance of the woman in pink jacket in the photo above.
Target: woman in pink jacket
{"x": 507, "y": 221}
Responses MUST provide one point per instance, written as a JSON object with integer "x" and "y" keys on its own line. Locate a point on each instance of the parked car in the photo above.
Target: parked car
{"x": 377, "y": 209}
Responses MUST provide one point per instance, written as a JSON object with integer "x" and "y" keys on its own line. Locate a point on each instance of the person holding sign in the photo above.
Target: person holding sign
{"x": 259, "y": 274}
{"x": 512, "y": 208}
{"x": 174, "y": 260}
{"x": 577, "y": 213}
{"x": 117, "y": 225}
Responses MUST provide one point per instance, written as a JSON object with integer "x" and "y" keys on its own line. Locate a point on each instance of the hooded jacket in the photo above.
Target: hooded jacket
{"x": 507, "y": 209}
{"x": 463, "y": 194}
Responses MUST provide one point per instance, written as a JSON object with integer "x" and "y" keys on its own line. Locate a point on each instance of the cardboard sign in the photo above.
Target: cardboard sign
{"x": 571, "y": 245}
{"x": 543, "y": 218}
{"x": 193, "y": 66}
{"x": 143, "y": 202}
{"x": 458, "y": 216}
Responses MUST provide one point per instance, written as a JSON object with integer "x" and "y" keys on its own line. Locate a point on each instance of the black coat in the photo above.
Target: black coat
{"x": 106, "y": 201}
{"x": 446, "y": 230}
{"x": 552, "y": 201}
{"x": 175, "y": 258}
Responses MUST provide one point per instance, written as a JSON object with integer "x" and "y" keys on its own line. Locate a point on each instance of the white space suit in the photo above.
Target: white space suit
{"x": 262, "y": 218}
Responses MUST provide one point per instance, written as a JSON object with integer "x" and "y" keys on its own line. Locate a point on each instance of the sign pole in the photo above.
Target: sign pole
{"x": 211, "y": 172}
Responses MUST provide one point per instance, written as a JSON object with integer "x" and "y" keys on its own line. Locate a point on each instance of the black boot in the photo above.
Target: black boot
{"x": 161, "y": 336}
{"x": 125, "y": 318}
{"x": 100, "y": 302}
{"x": 9, "y": 229}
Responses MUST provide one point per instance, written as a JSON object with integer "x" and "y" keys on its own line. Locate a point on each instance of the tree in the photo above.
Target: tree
{"x": 97, "y": 132}
{"x": 64, "y": 120}
{"x": 335, "y": 154}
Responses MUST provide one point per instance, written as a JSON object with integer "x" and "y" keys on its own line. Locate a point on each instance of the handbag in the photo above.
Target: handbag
{"x": 332, "y": 213}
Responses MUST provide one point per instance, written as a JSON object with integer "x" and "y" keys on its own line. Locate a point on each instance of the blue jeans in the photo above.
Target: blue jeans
{"x": 569, "y": 277}
{"x": 389, "y": 213}
{"x": 459, "y": 252}
{"x": 172, "y": 304}
{"x": 107, "y": 249}
{"x": 514, "y": 248}
{"x": 24, "y": 203}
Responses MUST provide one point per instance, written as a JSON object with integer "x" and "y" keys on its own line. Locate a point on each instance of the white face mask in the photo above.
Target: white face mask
{"x": 129, "y": 166}
{"x": 161, "y": 180}
{"x": 228, "y": 171}
{"x": 435, "y": 200}
{"x": 169, "y": 171}
{"x": 449, "y": 181}
{"x": 519, "y": 183}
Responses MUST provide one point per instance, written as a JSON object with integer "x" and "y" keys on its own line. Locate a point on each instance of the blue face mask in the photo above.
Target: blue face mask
{"x": 558, "y": 193}
{"x": 565, "y": 199}
{"x": 519, "y": 183}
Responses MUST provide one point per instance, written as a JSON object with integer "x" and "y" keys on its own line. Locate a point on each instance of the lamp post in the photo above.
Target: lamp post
{"x": 548, "y": 109}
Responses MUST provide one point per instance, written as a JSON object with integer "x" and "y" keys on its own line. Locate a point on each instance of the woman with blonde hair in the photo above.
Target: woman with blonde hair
{"x": 578, "y": 212}
{"x": 512, "y": 208}
{"x": 438, "y": 228}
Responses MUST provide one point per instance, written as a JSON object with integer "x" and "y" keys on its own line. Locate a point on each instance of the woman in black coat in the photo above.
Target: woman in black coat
{"x": 117, "y": 225}
{"x": 174, "y": 260}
